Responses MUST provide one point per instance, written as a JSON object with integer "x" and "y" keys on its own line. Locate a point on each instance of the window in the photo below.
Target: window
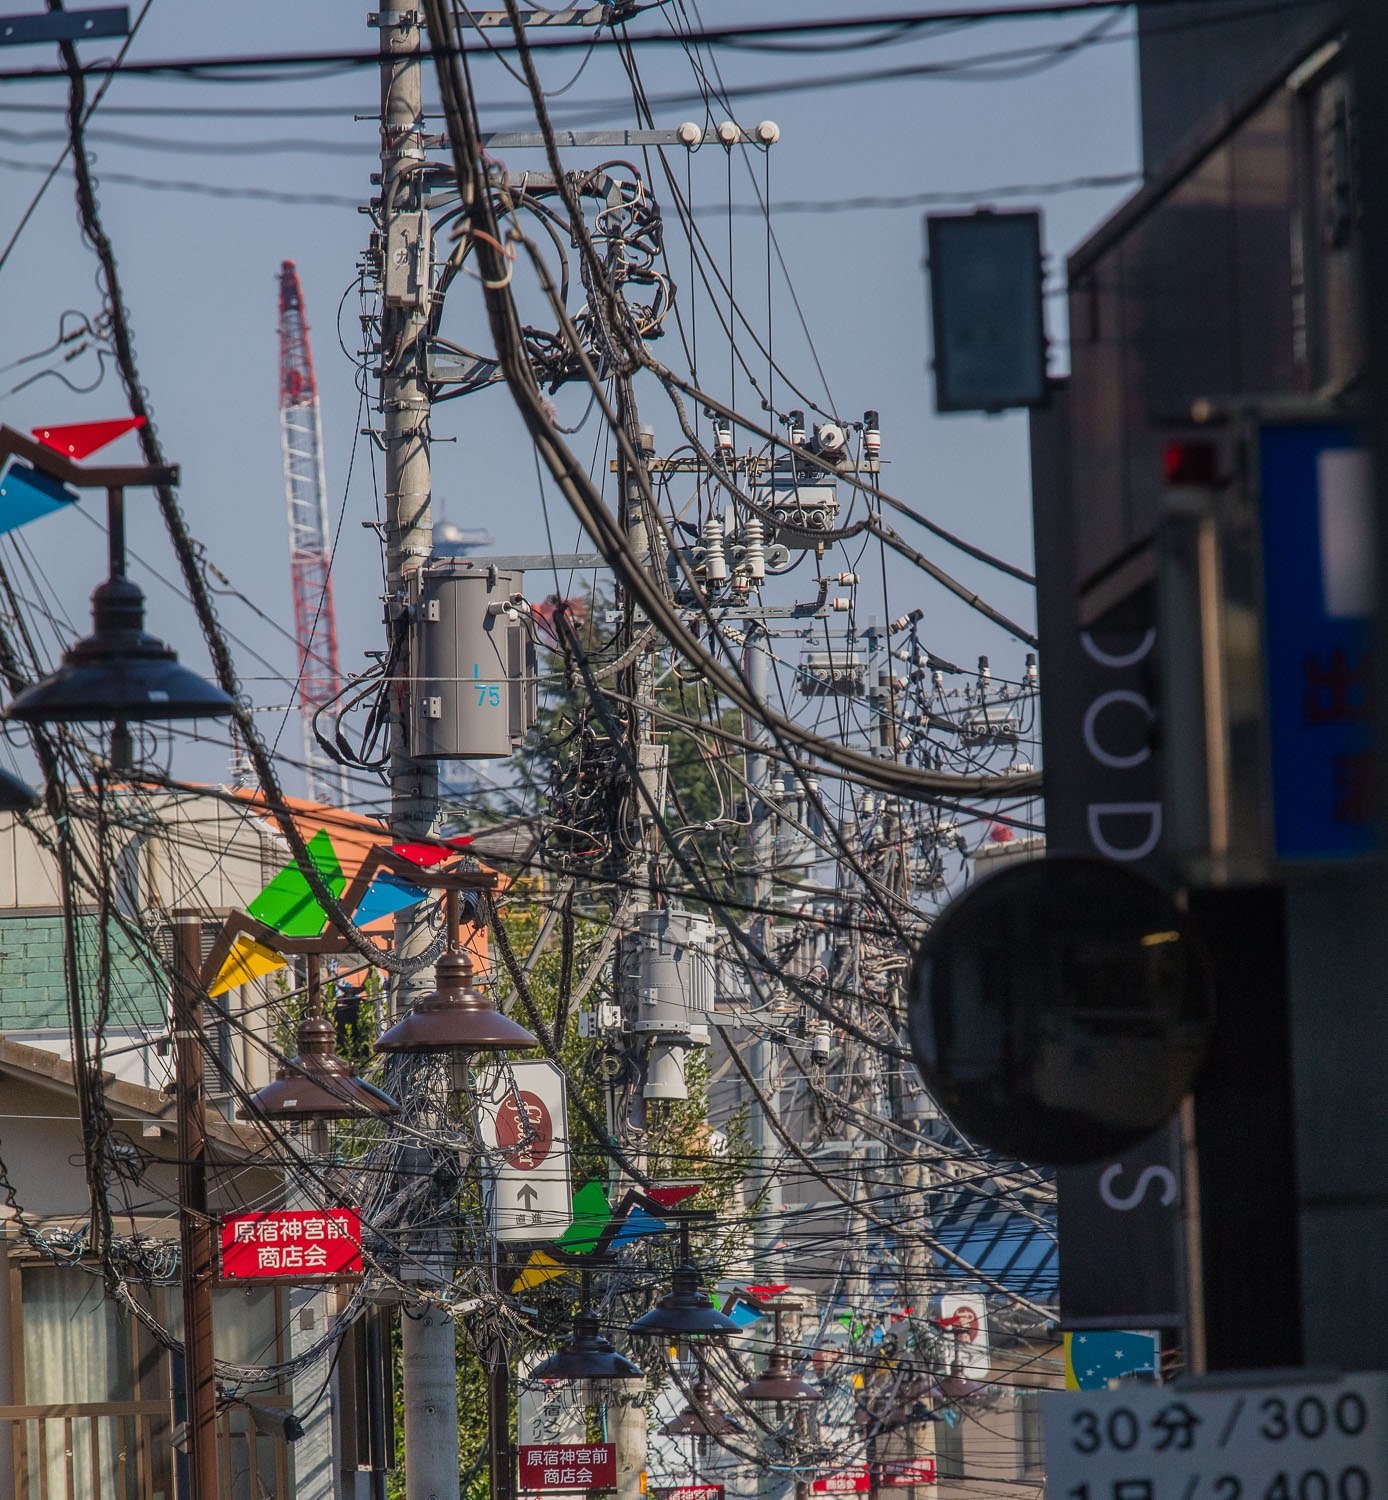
{"x": 97, "y": 1390}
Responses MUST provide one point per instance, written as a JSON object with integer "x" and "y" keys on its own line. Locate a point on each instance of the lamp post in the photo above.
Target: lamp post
{"x": 779, "y": 1383}
{"x": 121, "y": 675}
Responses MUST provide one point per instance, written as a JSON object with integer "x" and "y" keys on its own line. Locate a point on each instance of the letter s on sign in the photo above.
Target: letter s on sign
{"x": 1124, "y": 1204}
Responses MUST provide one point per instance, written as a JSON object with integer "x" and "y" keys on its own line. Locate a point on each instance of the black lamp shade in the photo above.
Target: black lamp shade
{"x": 684, "y": 1312}
{"x": 587, "y": 1355}
{"x": 119, "y": 672}
{"x": 454, "y": 1017}
{"x": 16, "y": 795}
{"x": 317, "y": 1084}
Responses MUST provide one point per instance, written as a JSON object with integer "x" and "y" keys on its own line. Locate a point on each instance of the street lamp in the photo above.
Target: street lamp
{"x": 702, "y": 1417}
{"x": 778, "y": 1382}
{"x": 317, "y": 1084}
{"x": 686, "y": 1311}
{"x": 587, "y": 1354}
{"x": 119, "y": 672}
{"x": 16, "y": 795}
{"x": 454, "y": 1017}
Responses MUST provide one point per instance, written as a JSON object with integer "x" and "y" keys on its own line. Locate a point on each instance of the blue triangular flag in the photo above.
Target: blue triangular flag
{"x": 386, "y": 894}
{"x": 637, "y": 1223}
{"x": 741, "y": 1314}
{"x": 27, "y": 493}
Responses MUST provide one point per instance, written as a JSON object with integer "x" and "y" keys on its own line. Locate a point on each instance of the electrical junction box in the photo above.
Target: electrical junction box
{"x": 473, "y": 689}
{"x": 832, "y": 674}
{"x": 405, "y": 270}
{"x": 804, "y": 509}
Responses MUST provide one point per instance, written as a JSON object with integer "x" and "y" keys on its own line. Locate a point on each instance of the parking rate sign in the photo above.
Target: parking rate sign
{"x": 1220, "y": 1440}
{"x": 522, "y": 1121}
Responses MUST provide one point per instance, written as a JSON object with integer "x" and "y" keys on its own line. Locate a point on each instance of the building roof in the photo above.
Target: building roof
{"x": 47, "y": 1070}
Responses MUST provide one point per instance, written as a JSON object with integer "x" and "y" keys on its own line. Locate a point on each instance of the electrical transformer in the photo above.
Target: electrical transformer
{"x": 472, "y": 661}
{"x": 673, "y": 994}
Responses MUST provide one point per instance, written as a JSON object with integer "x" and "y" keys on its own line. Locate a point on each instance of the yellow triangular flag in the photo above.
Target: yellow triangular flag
{"x": 539, "y": 1269}
{"x": 247, "y": 960}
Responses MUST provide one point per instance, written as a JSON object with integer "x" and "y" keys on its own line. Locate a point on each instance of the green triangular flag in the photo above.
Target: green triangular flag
{"x": 287, "y": 904}
{"x": 592, "y": 1214}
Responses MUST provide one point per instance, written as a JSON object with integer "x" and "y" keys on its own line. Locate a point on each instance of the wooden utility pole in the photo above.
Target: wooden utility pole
{"x": 197, "y": 1257}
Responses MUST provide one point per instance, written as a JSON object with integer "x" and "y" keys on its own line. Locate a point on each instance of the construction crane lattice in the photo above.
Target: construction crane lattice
{"x": 305, "y": 489}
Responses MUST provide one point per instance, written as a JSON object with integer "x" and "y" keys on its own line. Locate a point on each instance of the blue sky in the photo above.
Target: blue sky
{"x": 200, "y": 276}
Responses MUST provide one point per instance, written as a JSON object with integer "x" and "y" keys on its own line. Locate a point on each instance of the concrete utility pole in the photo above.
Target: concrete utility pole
{"x": 761, "y": 1056}
{"x": 428, "y": 1346}
{"x": 194, "y": 1224}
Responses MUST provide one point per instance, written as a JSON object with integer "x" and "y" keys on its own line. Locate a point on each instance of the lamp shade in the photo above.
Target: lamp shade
{"x": 685, "y": 1312}
{"x": 317, "y": 1084}
{"x": 701, "y": 1418}
{"x": 454, "y": 1017}
{"x": 587, "y": 1355}
{"x": 16, "y": 795}
{"x": 119, "y": 672}
{"x": 779, "y": 1383}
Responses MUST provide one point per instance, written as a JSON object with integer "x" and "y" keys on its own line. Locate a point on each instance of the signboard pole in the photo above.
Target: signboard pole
{"x": 499, "y": 1421}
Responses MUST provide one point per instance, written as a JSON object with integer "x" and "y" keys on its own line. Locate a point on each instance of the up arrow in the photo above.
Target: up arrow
{"x": 527, "y": 1195}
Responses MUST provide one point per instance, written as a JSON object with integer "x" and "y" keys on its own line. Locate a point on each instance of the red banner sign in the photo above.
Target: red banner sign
{"x": 902, "y": 1476}
{"x": 568, "y": 1466}
{"x": 850, "y": 1482}
{"x": 292, "y": 1243}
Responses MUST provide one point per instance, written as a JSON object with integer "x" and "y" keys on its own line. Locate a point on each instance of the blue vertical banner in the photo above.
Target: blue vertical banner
{"x": 1317, "y": 523}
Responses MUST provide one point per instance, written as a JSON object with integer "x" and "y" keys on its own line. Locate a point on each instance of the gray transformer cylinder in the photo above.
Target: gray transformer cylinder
{"x": 674, "y": 995}
{"x": 472, "y": 661}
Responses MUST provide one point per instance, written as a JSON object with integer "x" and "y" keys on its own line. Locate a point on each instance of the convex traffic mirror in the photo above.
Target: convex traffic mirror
{"x": 1060, "y": 1010}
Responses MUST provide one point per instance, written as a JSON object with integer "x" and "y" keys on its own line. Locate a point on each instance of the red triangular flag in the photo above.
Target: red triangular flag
{"x": 83, "y": 438}
{"x": 423, "y": 855}
{"x": 426, "y": 856}
{"x": 765, "y": 1293}
{"x": 675, "y": 1193}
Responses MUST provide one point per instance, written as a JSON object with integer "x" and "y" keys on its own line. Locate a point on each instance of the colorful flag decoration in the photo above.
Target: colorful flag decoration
{"x": 592, "y": 1215}
{"x": 247, "y": 960}
{"x": 288, "y": 905}
{"x": 27, "y": 493}
{"x": 82, "y": 438}
{"x": 636, "y": 1223}
{"x": 539, "y": 1269}
{"x": 741, "y": 1311}
{"x": 667, "y": 1195}
{"x": 1093, "y": 1359}
{"x": 426, "y": 856}
{"x": 386, "y": 895}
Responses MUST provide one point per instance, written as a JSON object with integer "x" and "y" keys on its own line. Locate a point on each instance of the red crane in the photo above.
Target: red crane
{"x": 305, "y": 490}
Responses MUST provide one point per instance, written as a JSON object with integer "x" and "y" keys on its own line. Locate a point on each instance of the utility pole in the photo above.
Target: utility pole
{"x": 761, "y": 1057}
{"x": 428, "y": 1343}
{"x": 626, "y": 1410}
{"x": 194, "y": 1224}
